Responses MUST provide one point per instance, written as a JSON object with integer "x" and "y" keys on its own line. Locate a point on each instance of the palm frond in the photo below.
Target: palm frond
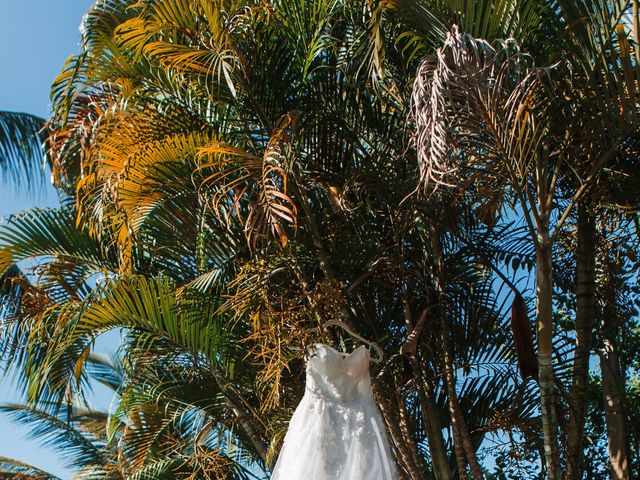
{"x": 49, "y": 232}
{"x": 473, "y": 101}
{"x": 22, "y": 159}
{"x": 56, "y": 432}
{"x": 11, "y": 469}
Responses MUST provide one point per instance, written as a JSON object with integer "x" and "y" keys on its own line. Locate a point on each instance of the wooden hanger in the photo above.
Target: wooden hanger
{"x": 344, "y": 326}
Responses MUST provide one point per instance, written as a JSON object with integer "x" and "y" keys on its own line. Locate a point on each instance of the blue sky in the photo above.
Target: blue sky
{"x": 36, "y": 37}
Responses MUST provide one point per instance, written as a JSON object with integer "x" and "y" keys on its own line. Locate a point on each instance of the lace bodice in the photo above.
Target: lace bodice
{"x": 339, "y": 379}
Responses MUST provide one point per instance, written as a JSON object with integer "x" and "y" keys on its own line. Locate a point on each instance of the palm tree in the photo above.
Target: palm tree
{"x": 494, "y": 105}
{"x": 235, "y": 174}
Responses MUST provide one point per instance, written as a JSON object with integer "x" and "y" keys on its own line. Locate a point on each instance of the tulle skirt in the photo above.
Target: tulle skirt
{"x": 327, "y": 440}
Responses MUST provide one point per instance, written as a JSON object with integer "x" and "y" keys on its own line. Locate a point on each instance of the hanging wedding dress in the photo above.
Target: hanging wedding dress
{"x": 336, "y": 432}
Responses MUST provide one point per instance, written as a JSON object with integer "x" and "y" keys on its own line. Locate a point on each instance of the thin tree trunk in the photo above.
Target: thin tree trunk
{"x": 613, "y": 385}
{"x": 431, "y": 421}
{"x": 544, "y": 296}
{"x": 462, "y": 439}
{"x": 251, "y": 432}
{"x": 463, "y": 446}
{"x": 408, "y": 437}
{"x": 461, "y": 458}
{"x": 391, "y": 420}
{"x": 544, "y": 287}
{"x": 246, "y": 422}
{"x": 615, "y": 412}
{"x": 585, "y": 316}
{"x": 428, "y": 409}
{"x": 636, "y": 27}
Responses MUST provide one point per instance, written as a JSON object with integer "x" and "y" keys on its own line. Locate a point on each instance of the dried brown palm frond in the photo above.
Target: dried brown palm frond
{"x": 208, "y": 464}
{"x": 272, "y": 348}
{"x": 476, "y": 104}
{"x": 284, "y": 318}
{"x": 279, "y": 323}
{"x": 69, "y": 141}
{"x": 523, "y": 339}
{"x": 283, "y": 327}
{"x": 260, "y": 181}
{"x": 274, "y": 204}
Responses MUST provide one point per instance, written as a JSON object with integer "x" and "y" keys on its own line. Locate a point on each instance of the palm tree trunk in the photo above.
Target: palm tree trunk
{"x": 462, "y": 439}
{"x": 404, "y": 424}
{"x": 636, "y": 27}
{"x": 585, "y": 317}
{"x": 431, "y": 421}
{"x": 246, "y": 421}
{"x": 463, "y": 446}
{"x": 251, "y": 432}
{"x": 461, "y": 458}
{"x": 428, "y": 409}
{"x": 613, "y": 387}
{"x": 544, "y": 287}
{"x": 615, "y": 412}
{"x": 390, "y": 417}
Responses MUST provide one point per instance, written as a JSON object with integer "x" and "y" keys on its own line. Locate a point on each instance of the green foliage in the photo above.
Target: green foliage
{"x": 21, "y": 159}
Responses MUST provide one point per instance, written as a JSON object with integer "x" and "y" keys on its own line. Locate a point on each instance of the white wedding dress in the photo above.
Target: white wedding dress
{"x": 336, "y": 432}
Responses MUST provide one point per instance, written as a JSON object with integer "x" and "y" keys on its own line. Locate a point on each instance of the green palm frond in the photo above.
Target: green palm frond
{"x": 105, "y": 371}
{"x": 429, "y": 23}
{"x": 152, "y": 307}
{"x": 22, "y": 159}
{"x": 163, "y": 469}
{"x": 49, "y": 232}
{"x": 57, "y": 432}
{"x": 11, "y": 291}
{"x": 11, "y": 469}
{"x": 493, "y": 19}
{"x": 174, "y": 409}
